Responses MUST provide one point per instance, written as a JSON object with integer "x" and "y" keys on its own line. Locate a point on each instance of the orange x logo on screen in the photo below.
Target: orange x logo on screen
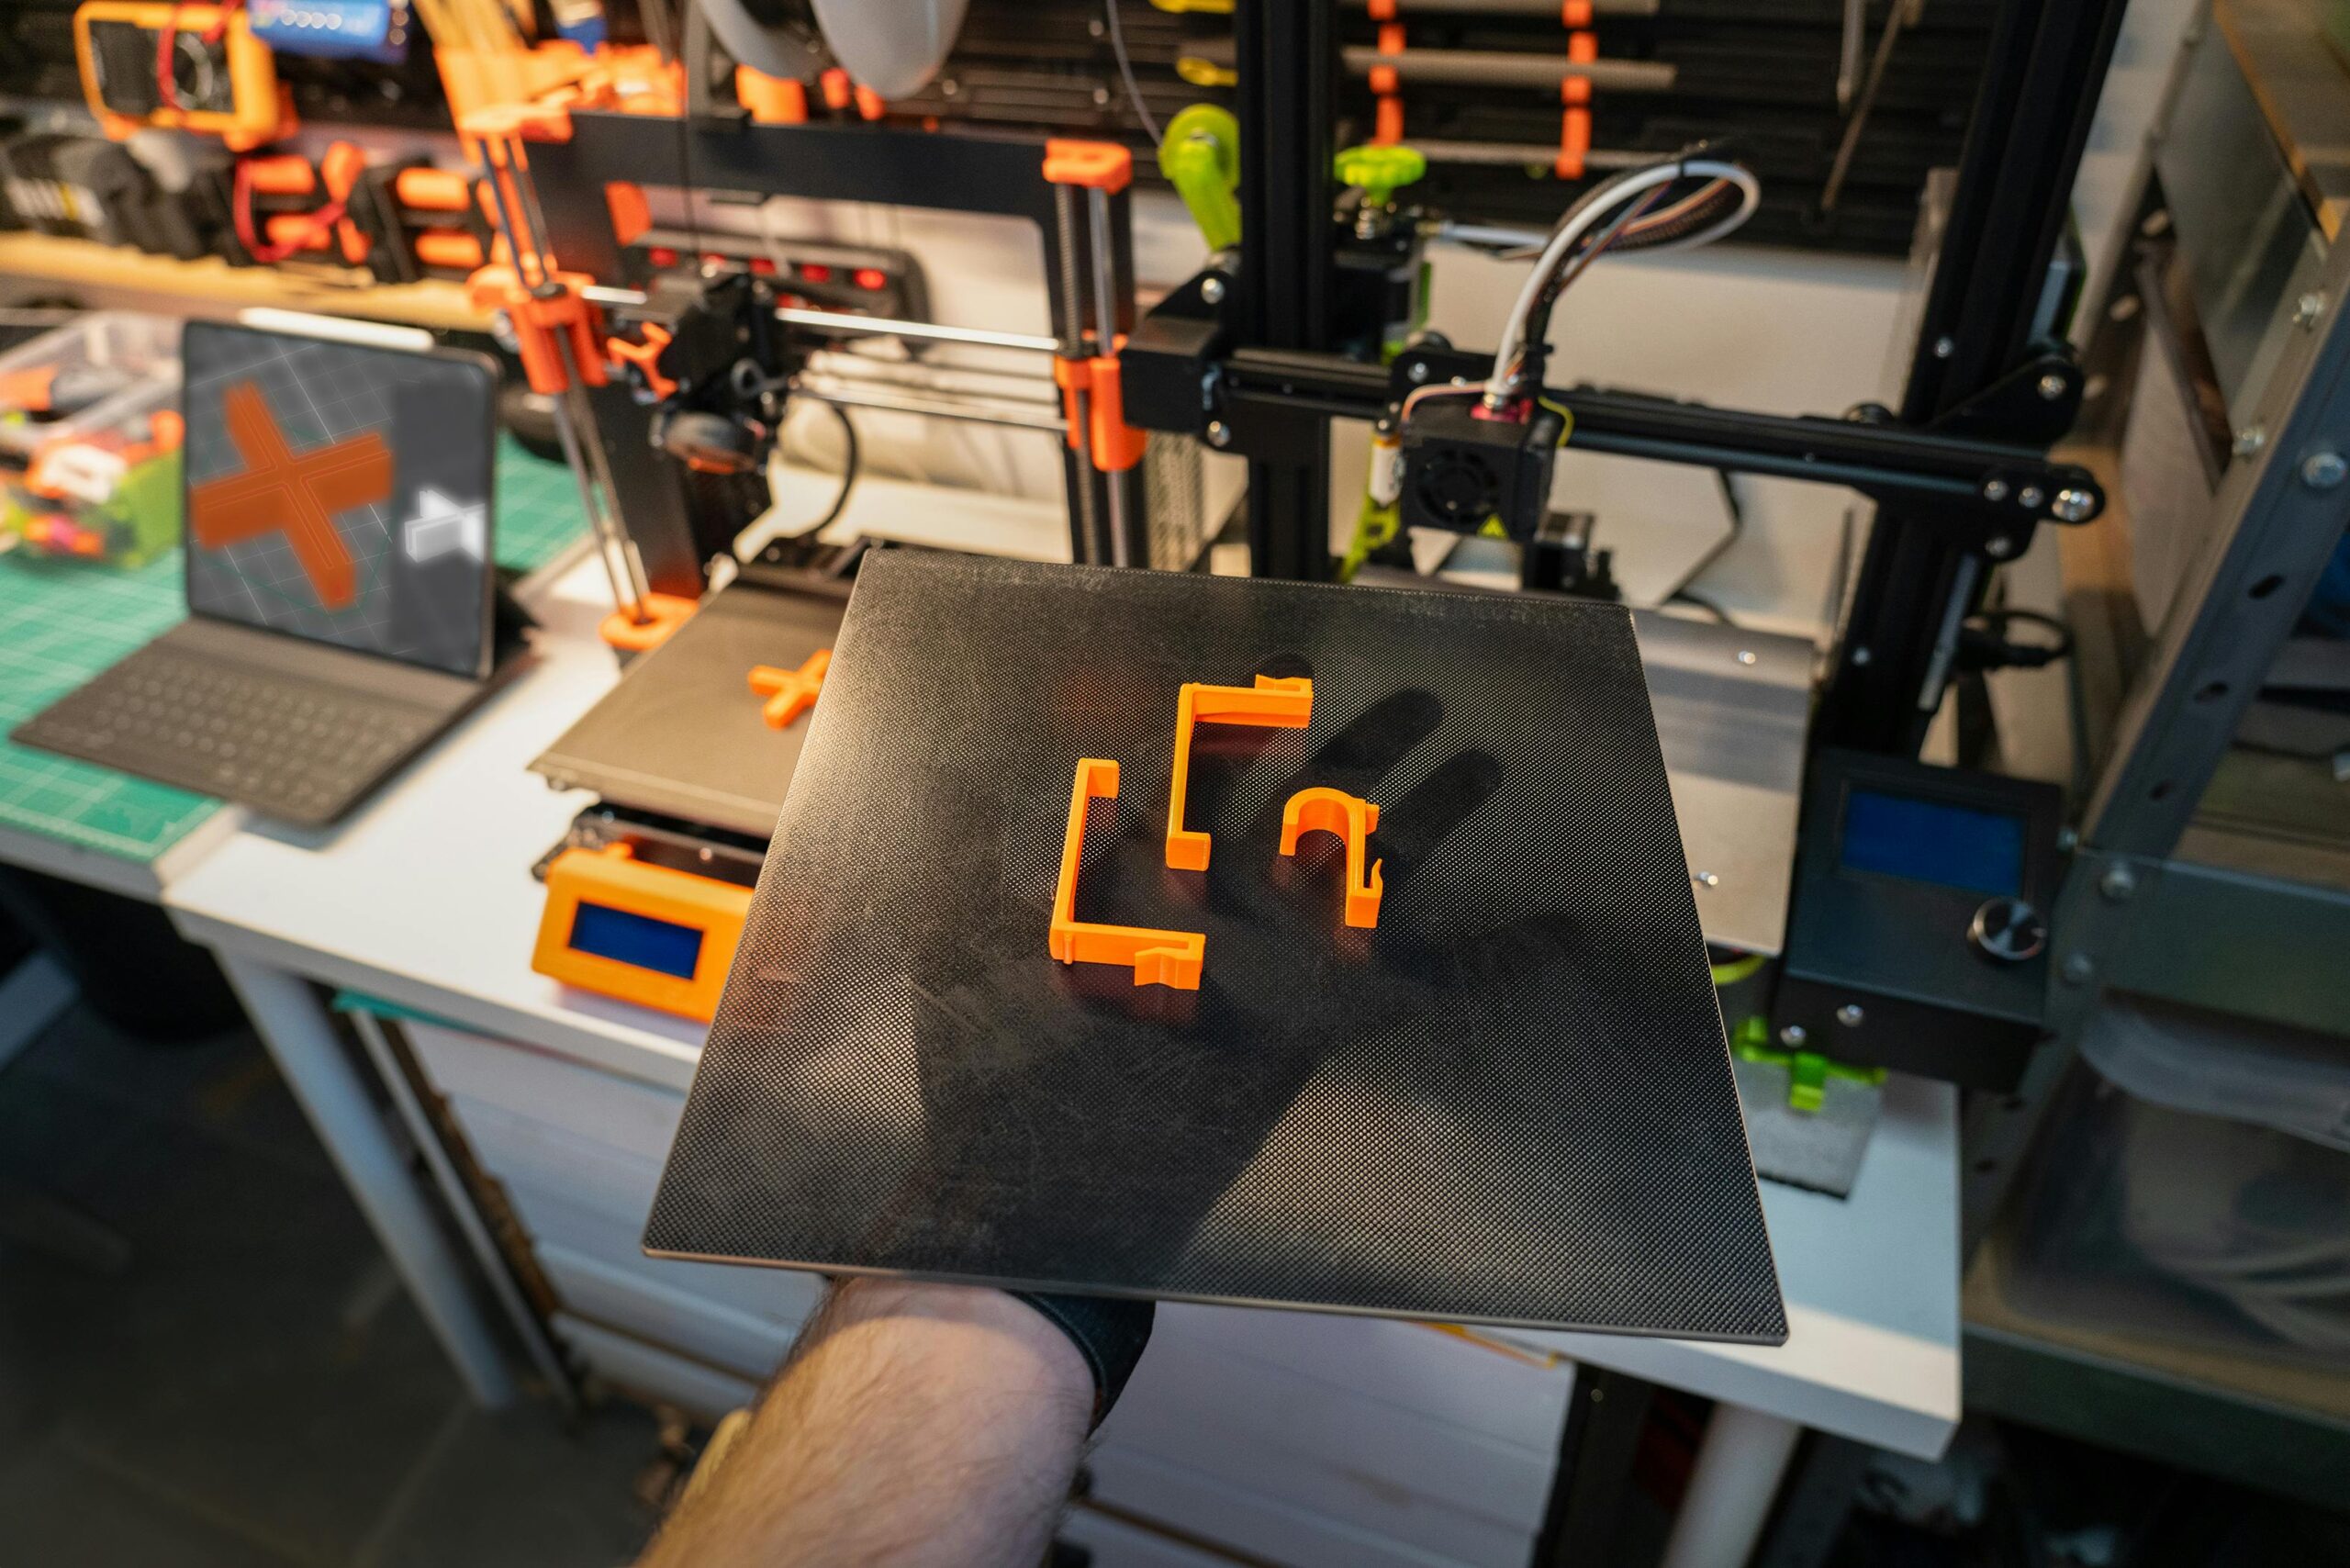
{"x": 298, "y": 497}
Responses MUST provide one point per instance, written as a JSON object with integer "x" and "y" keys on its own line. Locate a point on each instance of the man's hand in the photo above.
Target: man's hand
{"x": 915, "y": 1426}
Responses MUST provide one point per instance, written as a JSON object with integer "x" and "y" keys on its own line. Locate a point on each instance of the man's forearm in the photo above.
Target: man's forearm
{"x": 914, "y": 1425}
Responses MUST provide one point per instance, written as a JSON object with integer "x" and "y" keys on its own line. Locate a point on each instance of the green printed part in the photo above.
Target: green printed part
{"x": 1381, "y": 169}
{"x": 1808, "y": 1072}
{"x": 1200, "y": 155}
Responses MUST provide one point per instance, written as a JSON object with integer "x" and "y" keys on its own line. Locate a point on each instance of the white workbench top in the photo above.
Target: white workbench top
{"x": 425, "y": 898}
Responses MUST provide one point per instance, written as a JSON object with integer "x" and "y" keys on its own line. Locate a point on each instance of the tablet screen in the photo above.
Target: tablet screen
{"x": 342, "y": 493}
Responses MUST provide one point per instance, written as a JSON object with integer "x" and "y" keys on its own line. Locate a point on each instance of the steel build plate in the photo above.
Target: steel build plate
{"x": 682, "y": 735}
{"x": 1510, "y": 1103}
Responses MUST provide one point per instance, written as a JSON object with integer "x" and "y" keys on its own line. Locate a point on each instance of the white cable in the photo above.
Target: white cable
{"x": 1622, "y": 188}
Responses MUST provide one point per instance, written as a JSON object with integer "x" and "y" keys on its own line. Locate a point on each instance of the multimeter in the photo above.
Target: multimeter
{"x": 188, "y": 67}
{"x": 1918, "y": 937}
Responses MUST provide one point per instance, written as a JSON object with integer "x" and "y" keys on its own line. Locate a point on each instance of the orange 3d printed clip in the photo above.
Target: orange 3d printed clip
{"x": 791, "y": 693}
{"x": 1159, "y": 958}
{"x": 1272, "y": 703}
{"x": 1352, "y": 819}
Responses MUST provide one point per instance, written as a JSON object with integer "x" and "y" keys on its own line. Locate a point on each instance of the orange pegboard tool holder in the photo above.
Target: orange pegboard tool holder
{"x": 1574, "y": 119}
{"x": 613, "y": 877}
{"x": 791, "y": 693}
{"x": 1097, "y": 165}
{"x": 1272, "y": 703}
{"x": 1173, "y": 958}
{"x": 1353, "y": 820}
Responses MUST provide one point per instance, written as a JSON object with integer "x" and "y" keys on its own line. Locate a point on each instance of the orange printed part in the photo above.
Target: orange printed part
{"x": 433, "y": 190}
{"x": 284, "y": 174}
{"x": 613, "y": 877}
{"x": 1382, "y": 10}
{"x": 791, "y": 693}
{"x": 541, "y": 319}
{"x": 1575, "y": 122}
{"x": 1574, "y": 144}
{"x": 1117, "y": 446}
{"x": 451, "y": 250}
{"x": 27, "y": 390}
{"x": 294, "y": 231}
{"x": 1388, "y": 124}
{"x": 664, "y": 613}
{"x": 1096, "y": 165}
{"x": 1574, "y": 15}
{"x": 770, "y": 100}
{"x": 1272, "y": 703}
{"x": 837, "y": 92}
{"x": 1102, "y": 433}
{"x": 646, "y": 357}
{"x": 340, "y": 171}
{"x": 1159, "y": 957}
{"x": 1353, "y": 820}
{"x": 869, "y": 103}
{"x": 624, "y": 204}
{"x": 518, "y": 122}
{"x": 278, "y": 492}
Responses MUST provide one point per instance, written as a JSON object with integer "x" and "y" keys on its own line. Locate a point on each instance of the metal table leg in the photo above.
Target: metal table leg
{"x": 293, "y": 1022}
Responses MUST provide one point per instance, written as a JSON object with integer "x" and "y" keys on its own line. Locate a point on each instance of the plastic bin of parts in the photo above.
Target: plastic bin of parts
{"x": 2192, "y": 1189}
{"x": 90, "y": 439}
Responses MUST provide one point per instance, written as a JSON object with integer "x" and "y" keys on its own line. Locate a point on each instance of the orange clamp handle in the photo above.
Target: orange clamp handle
{"x": 1159, "y": 957}
{"x": 791, "y": 693}
{"x": 1352, "y": 819}
{"x": 1272, "y": 703}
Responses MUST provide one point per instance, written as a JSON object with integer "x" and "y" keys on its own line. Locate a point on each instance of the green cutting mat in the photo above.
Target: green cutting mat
{"x": 62, "y": 621}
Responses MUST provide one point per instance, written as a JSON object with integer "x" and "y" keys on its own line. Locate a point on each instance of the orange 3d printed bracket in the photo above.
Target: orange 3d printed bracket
{"x": 1322, "y": 809}
{"x": 1159, "y": 958}
{"x": 1271, "y": 703}
{"x": 791, "y": 693}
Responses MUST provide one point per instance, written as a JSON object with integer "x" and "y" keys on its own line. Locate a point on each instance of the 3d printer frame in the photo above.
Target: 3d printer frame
{"x": 1246, "y": 361}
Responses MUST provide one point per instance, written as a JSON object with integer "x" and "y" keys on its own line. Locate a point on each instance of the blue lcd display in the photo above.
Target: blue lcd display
{"x": 1931, "y": 841}
{"x": 636, "y": 939}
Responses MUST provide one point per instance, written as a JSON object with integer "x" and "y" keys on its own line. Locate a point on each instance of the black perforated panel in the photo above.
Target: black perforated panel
{"x": 1510, "y": 1103}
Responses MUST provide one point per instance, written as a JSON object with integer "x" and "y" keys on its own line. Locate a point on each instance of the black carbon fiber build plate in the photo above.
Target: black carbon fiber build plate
{"x": 1509, "y": 1103}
